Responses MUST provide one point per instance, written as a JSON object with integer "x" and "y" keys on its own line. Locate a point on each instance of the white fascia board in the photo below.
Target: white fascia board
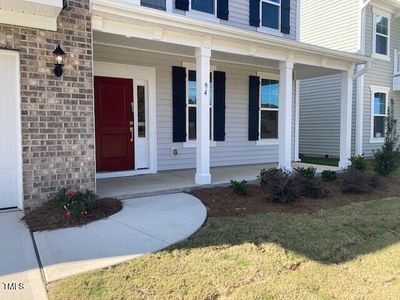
{"x": 28, "y": 20}
{"x": 132, "y": 17}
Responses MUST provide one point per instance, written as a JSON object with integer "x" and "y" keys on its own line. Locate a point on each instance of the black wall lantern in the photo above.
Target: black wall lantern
{"x": 58, "y": 63}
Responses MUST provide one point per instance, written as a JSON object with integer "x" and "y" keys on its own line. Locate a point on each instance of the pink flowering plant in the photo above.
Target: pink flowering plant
{"x": 76, "y": 203}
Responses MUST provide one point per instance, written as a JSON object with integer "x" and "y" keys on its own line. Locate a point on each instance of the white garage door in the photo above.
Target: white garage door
{"x": 10, "y": 131}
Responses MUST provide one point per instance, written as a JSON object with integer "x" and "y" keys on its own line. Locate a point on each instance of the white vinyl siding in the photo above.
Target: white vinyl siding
{"x": 236, "y": 149}
{"x": 331, "y": 24}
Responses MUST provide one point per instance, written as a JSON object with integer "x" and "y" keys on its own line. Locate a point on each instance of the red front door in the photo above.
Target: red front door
{"x": 114, "y": 122}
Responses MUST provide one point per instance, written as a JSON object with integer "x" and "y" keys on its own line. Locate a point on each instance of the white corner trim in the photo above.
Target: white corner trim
{"x": 267, "y": 142}
{"x": 136, "y": 73}
{"x": 28, "y": 20}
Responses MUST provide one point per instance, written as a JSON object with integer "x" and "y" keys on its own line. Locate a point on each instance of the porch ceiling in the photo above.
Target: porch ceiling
{"x": 302, "y": 71}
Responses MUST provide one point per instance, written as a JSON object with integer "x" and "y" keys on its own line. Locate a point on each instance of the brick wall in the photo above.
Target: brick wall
{"x": 57, "y": 113}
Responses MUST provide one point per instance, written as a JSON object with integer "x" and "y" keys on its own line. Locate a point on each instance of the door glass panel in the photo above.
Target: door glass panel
{"x": 141, "y": 99}
{"x": 192, "y": 123}
{"x": 192, "y": 87}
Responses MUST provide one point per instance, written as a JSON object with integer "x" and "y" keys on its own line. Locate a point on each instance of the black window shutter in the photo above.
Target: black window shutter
{"x": 254, "y": 107}
{"x": 285, "y": 15}
{"x": 219, "y": 106}
{"x": 223, "y": 9}
{"x": 179, "y": 104}
{"x": 182, "y": 4}
{"x": 255, "y": 13}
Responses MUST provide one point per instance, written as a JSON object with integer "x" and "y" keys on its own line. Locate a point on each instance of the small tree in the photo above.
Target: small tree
{"x": 387, "y": 158}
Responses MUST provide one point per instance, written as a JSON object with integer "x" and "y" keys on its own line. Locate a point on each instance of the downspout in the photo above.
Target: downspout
{"x": 359, "y": 76}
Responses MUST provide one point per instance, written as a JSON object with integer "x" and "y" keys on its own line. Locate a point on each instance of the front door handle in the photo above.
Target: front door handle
{"x": 131, "y": 131}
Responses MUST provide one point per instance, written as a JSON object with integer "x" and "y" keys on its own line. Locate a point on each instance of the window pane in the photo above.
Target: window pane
{"x": 192, "y": 87}
{"x": 270, "y": 15}
{"x": 192, "y": 123}
{"x": 141, "y": 111}
{"x": 381, "y": 44}
{"x": 206, "y": 6}
{"x": 382, "y": 25}
{"x": 380, "y": 103}
{"x": 269, "y": 93}
{"x": 379, "y": 127}
{"x": 269, "y": 124}
{"x": 159, "y": 4}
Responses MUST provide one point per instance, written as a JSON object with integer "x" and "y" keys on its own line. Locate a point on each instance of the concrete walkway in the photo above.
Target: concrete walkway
{"x": 20, "y": 276}
{"x": 144, "y": 225}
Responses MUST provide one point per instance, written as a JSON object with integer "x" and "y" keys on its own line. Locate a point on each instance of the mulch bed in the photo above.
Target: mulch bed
{"x": 222, "y": 201}
{"x": 51, "y": 216}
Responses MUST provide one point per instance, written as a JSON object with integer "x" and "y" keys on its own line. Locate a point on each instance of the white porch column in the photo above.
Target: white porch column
{"x": 203, "y": 175}
{"x": 345, "y": 118}
{"x": 285, "y": 114}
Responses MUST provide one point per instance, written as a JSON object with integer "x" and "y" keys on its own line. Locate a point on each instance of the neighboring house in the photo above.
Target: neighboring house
{"x": 370, "y": 28}
{"x": 175, "y": 85}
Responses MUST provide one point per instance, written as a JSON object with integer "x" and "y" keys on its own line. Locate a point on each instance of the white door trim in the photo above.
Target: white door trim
{"x": 141, "y": 73}
{"x": 20, "y": 196}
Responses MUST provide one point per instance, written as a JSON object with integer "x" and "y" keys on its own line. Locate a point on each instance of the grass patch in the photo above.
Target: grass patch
{"x": 330, "y": 161}
{"x": 349, "y": 252}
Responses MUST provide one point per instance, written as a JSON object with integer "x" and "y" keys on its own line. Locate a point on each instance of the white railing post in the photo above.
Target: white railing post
{"x": 396, "y": 62}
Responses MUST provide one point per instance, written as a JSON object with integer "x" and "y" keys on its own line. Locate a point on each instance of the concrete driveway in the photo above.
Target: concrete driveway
{"x": 20, "y": 276}
{"x": 144, "y": 225}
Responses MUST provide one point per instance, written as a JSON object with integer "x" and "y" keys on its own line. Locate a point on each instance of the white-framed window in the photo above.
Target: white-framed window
{"x": 270, "y": 15}
{"x": 381, "y": 32}
{"x": 191, "y": 105}
{"x": 203, "y": 9}
{"x": 269, "y": 108}
{"x": 379, "y": 109}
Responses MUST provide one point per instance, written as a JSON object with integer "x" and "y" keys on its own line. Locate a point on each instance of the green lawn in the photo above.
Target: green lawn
{"x": 350, "y": 252}
{"x": 330, "y": 161}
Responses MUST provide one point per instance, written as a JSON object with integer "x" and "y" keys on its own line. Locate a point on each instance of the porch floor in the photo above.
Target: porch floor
{"x": 173, "y": 181}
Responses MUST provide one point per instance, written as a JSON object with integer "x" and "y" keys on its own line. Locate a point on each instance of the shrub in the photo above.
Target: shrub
{"x": 312, "y": 188}
{"x": 357, "y": 182}
{"x": 239, "y": 188}
{"x": 76, "y": 203}
{"x": 387, "y": 158}
{"x": 328, "y": 175}
{"x": 281, "y": 185}
{"x": 308, "y": 173}
{"x": 358, "y": 162}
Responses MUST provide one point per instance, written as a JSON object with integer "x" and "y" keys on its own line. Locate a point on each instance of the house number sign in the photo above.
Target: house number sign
{"x": 206, "y": 89}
